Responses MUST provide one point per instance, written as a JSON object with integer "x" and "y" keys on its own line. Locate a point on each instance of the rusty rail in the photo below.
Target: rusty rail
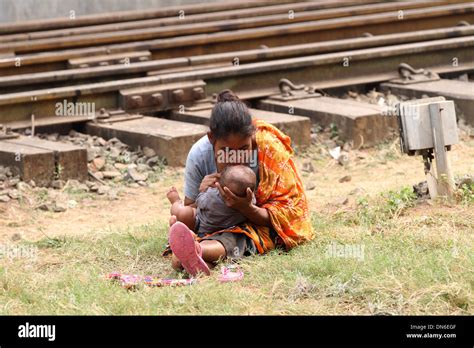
{"x": 104, "y": 73}
{"x": 272, "y": 36}
{"x": 365, "y": 65}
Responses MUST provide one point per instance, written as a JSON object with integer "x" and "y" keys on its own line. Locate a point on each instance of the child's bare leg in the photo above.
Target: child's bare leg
{"x": 175, "y": 263}
{"x": 212, "y": 252}
{"x": 184, "y": 214}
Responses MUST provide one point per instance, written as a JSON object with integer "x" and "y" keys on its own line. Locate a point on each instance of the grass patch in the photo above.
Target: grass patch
{"x": 415, "y": 267}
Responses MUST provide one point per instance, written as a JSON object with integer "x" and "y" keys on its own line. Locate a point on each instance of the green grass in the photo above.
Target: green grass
{"x": 410, "y": 265}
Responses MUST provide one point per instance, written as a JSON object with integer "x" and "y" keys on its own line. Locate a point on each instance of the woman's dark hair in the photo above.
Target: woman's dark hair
{"x": 229, "y": 116}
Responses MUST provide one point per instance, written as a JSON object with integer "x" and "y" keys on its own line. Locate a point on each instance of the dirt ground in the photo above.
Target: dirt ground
{"x": 371, "y": 171}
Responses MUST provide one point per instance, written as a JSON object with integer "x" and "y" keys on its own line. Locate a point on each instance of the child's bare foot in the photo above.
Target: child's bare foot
{"x": 173, "y": 195}
{"x": 173, "y": 220}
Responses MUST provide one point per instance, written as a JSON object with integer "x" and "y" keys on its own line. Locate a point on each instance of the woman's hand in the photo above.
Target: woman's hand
{"x": 209, "y": 181}
{"x": 255, "y": 214}
{"x": 241, "y": 204}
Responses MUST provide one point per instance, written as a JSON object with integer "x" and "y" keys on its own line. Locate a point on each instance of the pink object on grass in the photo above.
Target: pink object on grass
{"x": 229, "y": 275}
{"x": 133, "y": 281}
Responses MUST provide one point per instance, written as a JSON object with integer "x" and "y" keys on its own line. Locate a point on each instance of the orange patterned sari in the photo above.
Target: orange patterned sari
{"x": 280, "y": 191}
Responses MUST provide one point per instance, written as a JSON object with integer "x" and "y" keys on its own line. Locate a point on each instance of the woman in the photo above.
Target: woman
{"x": 280, "y": 217}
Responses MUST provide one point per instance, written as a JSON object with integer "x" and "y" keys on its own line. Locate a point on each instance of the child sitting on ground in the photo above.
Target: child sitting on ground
{"x": 212, "y": 214}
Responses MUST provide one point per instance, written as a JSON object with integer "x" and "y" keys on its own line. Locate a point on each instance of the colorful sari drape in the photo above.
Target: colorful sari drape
{"x": 280, "y": 191}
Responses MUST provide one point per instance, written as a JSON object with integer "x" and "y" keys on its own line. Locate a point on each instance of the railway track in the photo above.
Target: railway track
{"x": 150, "y": 76}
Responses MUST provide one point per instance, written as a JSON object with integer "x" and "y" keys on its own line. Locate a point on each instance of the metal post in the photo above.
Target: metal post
{"x": 445, "y": 180}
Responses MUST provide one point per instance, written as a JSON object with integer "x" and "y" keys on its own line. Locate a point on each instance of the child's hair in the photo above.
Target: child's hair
{"x": 238, "y": 178}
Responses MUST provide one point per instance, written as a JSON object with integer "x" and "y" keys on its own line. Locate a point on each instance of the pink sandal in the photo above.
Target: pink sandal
{"x": 183, "y": 245}
{"x": 228, "y": 275}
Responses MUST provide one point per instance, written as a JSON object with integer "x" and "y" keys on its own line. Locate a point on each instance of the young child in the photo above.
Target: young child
{"x": 212, "y": 214}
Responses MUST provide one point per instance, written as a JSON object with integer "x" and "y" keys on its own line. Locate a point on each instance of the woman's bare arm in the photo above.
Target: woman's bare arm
{"x": 257, "y": 215}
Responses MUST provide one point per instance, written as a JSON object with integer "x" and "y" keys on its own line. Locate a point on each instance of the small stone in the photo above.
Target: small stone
{"x": 44, "y": 207}
{"x": 60, "y": 206}
{"x": 92, "y": 153}
{"x": 347, "y": 147}
{"x": 108, "y": 168}
{"x": 153, "y": 161}
{"x": 141, "y": 167}
{"x": 133, "y": 174}
{"x": 100, "y": 142}
{"x": 82, "y": 187}
{"x": 356, "y": 191}
{"x": 32, "y": 183}
{"x": 421, "y": 190}
{"x": 113, "y": 141}
{"x": 71, "y": 204}
{"x": 114, "y": 153}
{"x": 112, "y": 195}
{"x": 23, "y": 186}
{"x": 308, "y": 167}
{"x": 310, "y": 186}
{"x": 149, "y": 152}
{"x": 14, "y": 194}
{"x": 99, "y": 175}
{"x": 111, "y": 174}
{"x": 97, "y": 164}
{"x": 134, "y": 185}
{"x": 463, "y": 77}
{"x": 341, "y": 201}
{"x": 52, "y": 137}
{"x": 142, "y": 183}
{"x": 120, "y": 166}
{"x": 58, "y": 184}
{"x": 89, "y": 183}
{"x": 73, "y": 183}
{"x": 4, "y": 199}
{"x": 94, "y": 188}
{"x": 15, "y": 237}
{"x": 343, "y": 158}
{"x": 103, "y": 189}
{"x": 466, "y": 180}
{"x": 346, "y": 178}
{"x": 141, "y": 160}
{"x": 13, "y": 182}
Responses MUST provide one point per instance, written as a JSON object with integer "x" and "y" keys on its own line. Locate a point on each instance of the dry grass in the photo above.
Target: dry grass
{"x": 417, "y": 257}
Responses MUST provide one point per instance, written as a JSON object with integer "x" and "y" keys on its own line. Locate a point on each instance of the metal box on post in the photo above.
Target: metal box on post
{"x": 416, "y": 132}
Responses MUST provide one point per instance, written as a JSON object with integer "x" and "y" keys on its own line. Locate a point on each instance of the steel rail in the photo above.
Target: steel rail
{"x": 261, "y": 78}
{"x": 102, "y": 73}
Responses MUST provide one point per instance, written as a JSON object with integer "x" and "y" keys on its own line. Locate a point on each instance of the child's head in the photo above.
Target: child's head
{"x": 238, "y": 178}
